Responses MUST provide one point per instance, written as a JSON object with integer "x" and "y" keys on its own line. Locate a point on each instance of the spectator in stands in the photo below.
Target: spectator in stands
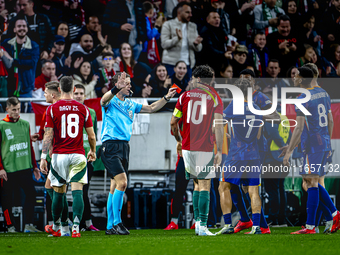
{"x": 239, "y": 61}
{"x": 214, "y": 43}
{"x": 179, "y": 76}
{"x": 53, "y": 12}
{"x": 338, "y": 70}
{"x": 284, "y": 45}
{"x": 266, "y": 16}
{"x": 180, "y": 40}
{"x": 335, "y": 54}
{"x": 159, "y": 81}
{"x": 227, "y": 74}
{"x": 4, "y": 14}
{"x": 169, "y": 6}
{"x": 39, "y": 25}
{"x": 24, "y": 55}
{"x": 16, "y": 164}
{"x": 218, "y": 6}
{"x": 13, "y": 8}
{"x": 74, "y": 14}
{"x": 85, "y": 77}
{"x": 105, "y": 82}
{"x": 258, "y": 55}
{"x": 124, "y": 21}
{"x": 326, "y": 69}
{"x": 307, "y": 57}
{"x": 291, "y": 10}
{"x": 48, "y": 73}
{"x": 152, "y": 33}
{"x": 241, "y": 15}
{"x": 92, "y": 28}
{"x": 138, "y": 71}
{"x": 311, "y": 37}
{"x": 290, "y": 76}
{"x": 59, "y": 57}
{"x": 63, "y": 30}
{"x": 84, "y": 49}
{"x": 330, "y": 29}
{"x": 4, "y": 57}
{"x": 267, "y": 85}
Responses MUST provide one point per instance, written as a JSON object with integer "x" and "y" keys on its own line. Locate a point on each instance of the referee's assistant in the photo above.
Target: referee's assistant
{"x": 118, "y": 115}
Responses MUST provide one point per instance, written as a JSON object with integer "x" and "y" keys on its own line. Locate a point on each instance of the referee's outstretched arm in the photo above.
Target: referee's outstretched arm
{"x": 154, "y": 107}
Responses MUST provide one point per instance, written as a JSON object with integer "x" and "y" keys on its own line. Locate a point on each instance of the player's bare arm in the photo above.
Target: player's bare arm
{"x": 294, "y": 140}
{"x": 47, "y": 142}
{"x": 175, "y": 128}
{"x": 91, "y": 156}
{"x": 110, "y": 94}
{"x": 154, "y": 107}
{"x": 219, "y": 130}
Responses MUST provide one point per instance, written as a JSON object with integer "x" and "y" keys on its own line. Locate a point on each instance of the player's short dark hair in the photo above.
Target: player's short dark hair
{"x": 248, "y": 71}
{"x": 12, "y": 101}
{"x": 115, "y": 77}
{"x": 53, "y": 86}
{"x": 204, "y": 72}
{"x": 314, "y": 69}
{"x": 108, "y": 54}
{"x": 306, "y": 74}
{"x": 66, "y": 84}
{"x": 283, "y": 17}
{"x": 243, "y": 85}
{"x": 80, "y": 86}
{"x": 147, "y": 6}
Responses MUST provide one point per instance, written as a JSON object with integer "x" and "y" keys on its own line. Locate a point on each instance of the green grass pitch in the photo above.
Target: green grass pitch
{"x": 177, "y": 242}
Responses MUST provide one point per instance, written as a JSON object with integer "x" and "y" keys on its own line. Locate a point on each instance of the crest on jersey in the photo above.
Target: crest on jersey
{"x": 130, "y": 114}
{"x": 9, "y": 134}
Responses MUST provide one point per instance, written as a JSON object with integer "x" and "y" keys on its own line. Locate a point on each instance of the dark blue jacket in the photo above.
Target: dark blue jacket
{"x": 116, "y": 14}
{"x": 26, "y": 63}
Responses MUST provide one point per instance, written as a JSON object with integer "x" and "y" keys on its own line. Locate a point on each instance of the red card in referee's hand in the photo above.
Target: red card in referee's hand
{"x": 178, "y": 89}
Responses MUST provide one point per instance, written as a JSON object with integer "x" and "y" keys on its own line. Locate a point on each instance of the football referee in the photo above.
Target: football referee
{"x": 118, "y": 114}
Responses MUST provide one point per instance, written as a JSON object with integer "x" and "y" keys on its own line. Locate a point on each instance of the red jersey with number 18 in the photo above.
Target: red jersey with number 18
{"x": 68, "y": 118}
{"x": 197, "y": 124}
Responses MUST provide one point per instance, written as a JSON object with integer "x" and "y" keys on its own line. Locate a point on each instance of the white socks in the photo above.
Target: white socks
{"x": 88, "y": 223}
{"x": 175, "y": 220}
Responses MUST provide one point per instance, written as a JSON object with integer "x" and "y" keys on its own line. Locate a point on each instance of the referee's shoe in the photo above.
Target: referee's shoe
{"x": 111, "y": 231}
{"x": 121, "y": 229}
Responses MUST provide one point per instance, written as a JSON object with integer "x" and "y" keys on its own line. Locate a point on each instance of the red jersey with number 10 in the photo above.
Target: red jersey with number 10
{"x": 197, "y": 124}
{"x": 68, "y": 118}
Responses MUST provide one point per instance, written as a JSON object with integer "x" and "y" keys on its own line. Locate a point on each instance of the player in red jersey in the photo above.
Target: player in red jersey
{"x": 65, "y": 121}
{"x": 200, "y": 109}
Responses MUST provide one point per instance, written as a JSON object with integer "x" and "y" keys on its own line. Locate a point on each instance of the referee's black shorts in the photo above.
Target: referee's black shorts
{"x": 115, "y": 156}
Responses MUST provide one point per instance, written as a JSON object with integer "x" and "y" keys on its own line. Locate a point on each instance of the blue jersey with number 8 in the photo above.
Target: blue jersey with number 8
{"x": 315, "y": 136}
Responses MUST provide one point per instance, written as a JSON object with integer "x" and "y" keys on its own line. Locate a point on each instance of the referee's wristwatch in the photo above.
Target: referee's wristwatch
{"x": 166, "y": 99}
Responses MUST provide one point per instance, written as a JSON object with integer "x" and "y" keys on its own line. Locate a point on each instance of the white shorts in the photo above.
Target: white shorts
{"x": 198, "y": 164}
{"x": 66, "y": 168}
